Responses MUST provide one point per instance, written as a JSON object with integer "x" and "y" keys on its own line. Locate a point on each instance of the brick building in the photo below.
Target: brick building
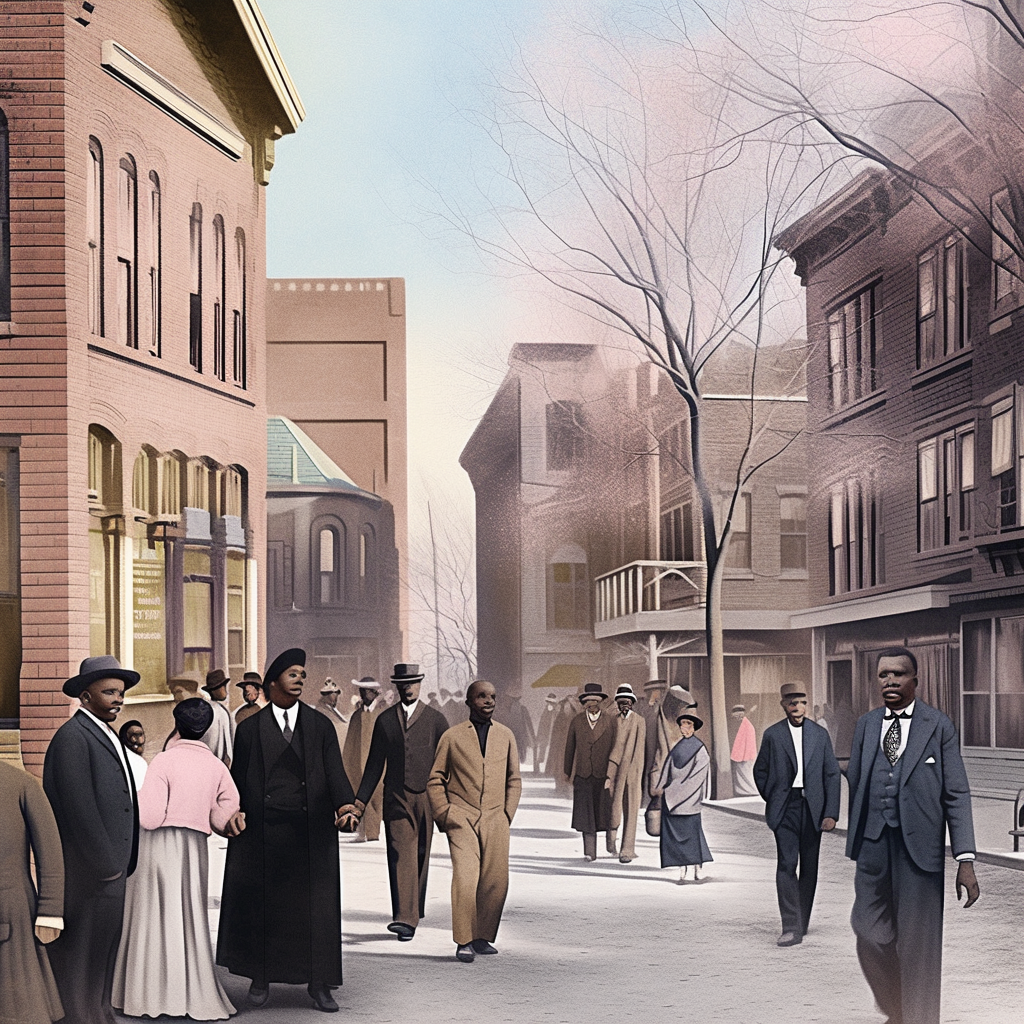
{"x": 137, "y": 138}
{"x": 350, "y": 333}
{"x": 917, "y": 419}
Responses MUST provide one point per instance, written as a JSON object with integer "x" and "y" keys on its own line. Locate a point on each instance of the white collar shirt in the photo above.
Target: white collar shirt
{"x": 798, "y": 744}
{"x": 113, "y": 739}
{"x": 410, "y": 710}
{"x": 293, "y": 716}
{"x": 905, "y": 724}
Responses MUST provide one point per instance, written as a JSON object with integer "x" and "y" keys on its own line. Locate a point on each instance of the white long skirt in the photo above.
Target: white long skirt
{"x": 165, "y": 960}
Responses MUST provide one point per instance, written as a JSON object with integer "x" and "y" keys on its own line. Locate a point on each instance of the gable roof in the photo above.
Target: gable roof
{"x": 295, "y": 459}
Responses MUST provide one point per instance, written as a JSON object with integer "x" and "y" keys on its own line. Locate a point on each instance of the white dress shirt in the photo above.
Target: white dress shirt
{"x": 798, "y": 744}
{"x": 114, "y": 739}
{"x": 592, "y": 718}
{"x": 410, "y": 710}
{"x": 293, "y": 716}
{"x": 905, "y": 724}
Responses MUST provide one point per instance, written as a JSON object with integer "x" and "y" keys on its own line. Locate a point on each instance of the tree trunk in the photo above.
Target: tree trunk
{"x": 721, "y": 786}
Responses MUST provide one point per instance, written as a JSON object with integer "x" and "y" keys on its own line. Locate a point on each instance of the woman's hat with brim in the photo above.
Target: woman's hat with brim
{"x": 215, "y": 680}
{"x": 591, "y": 690}
{"x": 250, "y": 679}
{"x": 697, "y": 722}
{"x": 366, "y": 683}
{"x": 406, "y": 674}
{"x": 103, "y": 666}
{"x": 625, "y": 690}
{"x": 283, "y": 662}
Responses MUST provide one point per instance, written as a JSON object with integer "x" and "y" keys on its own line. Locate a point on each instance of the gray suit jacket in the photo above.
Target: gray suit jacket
{"x": 934, "y": 791}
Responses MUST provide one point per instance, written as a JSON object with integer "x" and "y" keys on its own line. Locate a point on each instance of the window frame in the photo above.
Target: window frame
{"x": 94, "y": 237}
{"x": 849, "y": 384}
{"x": 943, "y": 315}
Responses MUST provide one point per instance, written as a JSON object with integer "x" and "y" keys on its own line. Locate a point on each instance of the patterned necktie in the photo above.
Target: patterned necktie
{"x": 891, "y": 746}
{"x": 286, "y": 730}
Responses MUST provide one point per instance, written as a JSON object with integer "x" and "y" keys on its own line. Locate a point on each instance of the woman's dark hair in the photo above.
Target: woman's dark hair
{"x": 123, "y": 731}
{"x": 193, "y": 717}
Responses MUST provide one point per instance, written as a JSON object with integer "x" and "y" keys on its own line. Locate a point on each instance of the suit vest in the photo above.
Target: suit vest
{"x": 882, "y": 797}
{"x": 286, "y": 779}
{"x": 419, "y": 755}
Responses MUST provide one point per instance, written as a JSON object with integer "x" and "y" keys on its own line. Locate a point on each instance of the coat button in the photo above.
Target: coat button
{"x": 303, "y": 806}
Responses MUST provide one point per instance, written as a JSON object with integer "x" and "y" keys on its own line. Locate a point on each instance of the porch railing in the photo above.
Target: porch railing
{"x": 650, "y": 587}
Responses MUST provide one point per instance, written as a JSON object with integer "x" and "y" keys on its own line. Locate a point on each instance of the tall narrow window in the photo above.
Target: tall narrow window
{"x": 568, "y": 591}
{"x": 127, "y": 252}
{"x": 94, "y": 234}
{"x": 239, "y": 312}
{"x": 330, "y": 557}
{"x": 1002, "y": 464}
{"x": 854, "y": 348}
{"x": 564, "y": 435}
{"x": 1005, "y": 265}
{"x": 219, "y": 313}
{"x": 155, "y": 263}
{"x": 5, "y": 221}
{"x": 737, "y": 555}
{"x": 942, "y": 302}
{"x": 857, "y": 535}
{"x": 792, "y": 532}
{"x": 195, "y": 298}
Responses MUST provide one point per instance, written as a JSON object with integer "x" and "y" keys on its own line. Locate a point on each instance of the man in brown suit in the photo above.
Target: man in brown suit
{"x": 474, "y": 790}
{"x": 357, "y": 750}
{"x": 625, "y": 773}
{"x": 587, "y": 746}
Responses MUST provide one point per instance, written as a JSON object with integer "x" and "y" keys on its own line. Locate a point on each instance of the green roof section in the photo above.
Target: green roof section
{"x": 293, "y": 457}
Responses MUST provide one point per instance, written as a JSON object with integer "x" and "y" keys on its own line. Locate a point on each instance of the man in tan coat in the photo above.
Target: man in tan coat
{"x": 357, "y": 749}
{"x": 474, "y": 790}
{"x": 625, "y": 773}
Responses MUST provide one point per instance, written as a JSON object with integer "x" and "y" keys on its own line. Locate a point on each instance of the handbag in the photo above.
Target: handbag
{"x": 652, "y": 819}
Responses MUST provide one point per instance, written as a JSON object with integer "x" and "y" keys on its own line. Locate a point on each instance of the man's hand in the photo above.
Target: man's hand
{"x": 235, "y": 826}
{"x": 46, "y": 934}
{"x": 347, "y": 818}
{"x": 608, "y": 784}
{"x": 966, "y": 879}
{"x": 827, "y": 824}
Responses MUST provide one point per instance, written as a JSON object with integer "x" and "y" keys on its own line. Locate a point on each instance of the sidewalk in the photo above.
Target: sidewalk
{"x": 992, "y": 822}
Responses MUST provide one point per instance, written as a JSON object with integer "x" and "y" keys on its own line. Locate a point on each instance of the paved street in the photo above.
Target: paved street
{"x": 608, "y": 942}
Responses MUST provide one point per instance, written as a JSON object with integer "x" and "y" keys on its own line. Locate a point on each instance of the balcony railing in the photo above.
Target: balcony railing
{"x": 650, "y": 587}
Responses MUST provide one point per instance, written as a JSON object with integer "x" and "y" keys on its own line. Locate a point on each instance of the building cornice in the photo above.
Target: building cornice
{"x": 270, "y": 59}
{"x": 874, "y": 606}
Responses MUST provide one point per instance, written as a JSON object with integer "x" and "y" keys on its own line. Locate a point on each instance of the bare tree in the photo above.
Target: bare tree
{"x": 649, "y": 196}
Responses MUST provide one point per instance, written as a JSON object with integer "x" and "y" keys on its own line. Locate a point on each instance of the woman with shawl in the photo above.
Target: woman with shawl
{"x": 680, "y": 784}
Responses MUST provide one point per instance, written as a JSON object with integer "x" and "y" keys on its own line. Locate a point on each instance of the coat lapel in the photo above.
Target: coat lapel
{"x": 922, "y": 725}
{"x": 106, "y": 742}
{"x": 271, "y": 737}
{"x": 789, "y": 746}
{"x": 413, "y": 718}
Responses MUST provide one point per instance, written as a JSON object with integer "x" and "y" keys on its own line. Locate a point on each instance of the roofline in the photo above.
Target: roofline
{"x": 270, "y": 58}
{"x": 280, "y": 489}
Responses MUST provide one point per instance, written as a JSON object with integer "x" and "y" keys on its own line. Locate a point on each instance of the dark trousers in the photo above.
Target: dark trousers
{"x": 408, "y": 845}
{"x": 83, "y": 956}
{"x": 798, "y": 843}
{"x": 897, "y": 918}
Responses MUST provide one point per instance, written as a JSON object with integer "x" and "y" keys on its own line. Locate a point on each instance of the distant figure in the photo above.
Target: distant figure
{"x": 327, "y": 705}
{"x": 357, "y": 750}
{"x": 133, "y": 736}
{"x": 542, "y": 747}
{"x": 587, "y": 746}
{"x": 474, "y": 790}
{"x": 220, "y": 736}
{"x": 433, "y": 702}
{"x": 680, "y": 783}
{"x": 743, "y": 755}
{"x": 649, "y": 710}
{"x": 518, "y": 720}
{"x": 798, "y": 776}
{"x": 252, "y": 693}
{"x": 92, "y": 792}
{"x": 405, "y": 739}
{"x": 32, "y": 913}
{"x": 165, "y": 960}
{"x": 625, "y": 774}
{"x": 567, "y": 710}
{"x": 453, "y": 708}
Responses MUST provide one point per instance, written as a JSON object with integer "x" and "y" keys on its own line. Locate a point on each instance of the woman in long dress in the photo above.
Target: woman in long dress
{"x": 165, "y": 961}
{"x": 681, "y": 785}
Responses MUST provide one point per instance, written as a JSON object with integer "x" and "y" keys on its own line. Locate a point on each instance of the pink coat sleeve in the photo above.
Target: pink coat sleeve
{"x": 227, "y": 800}
{"x": 153, "y": 797}
{"x": 745, "y": 746}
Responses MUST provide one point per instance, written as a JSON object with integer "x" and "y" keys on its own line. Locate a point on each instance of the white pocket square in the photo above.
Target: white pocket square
{"x": 929, "y": 760}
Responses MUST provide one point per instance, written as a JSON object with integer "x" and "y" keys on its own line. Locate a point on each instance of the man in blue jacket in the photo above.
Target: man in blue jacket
{"x": 797, "y": 774}
{"x": 907, "y": 785}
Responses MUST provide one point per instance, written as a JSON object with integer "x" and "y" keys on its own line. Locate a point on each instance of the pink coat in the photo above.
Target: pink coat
{"x": 745, "y": 746}
{"x": 187, "y": 786}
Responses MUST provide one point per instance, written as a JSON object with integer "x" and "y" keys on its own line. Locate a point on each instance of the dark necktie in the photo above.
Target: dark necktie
{"x": 286, "y": 730}
{"x": 894, "y": 735}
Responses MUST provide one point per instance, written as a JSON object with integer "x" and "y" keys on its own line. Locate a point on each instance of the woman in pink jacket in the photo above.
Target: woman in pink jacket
{"x": 165, "y": 961}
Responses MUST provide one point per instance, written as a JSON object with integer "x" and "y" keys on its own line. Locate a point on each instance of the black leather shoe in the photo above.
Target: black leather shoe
{"x": 258, "y": 995}
{"x": 465, "y": 954}
{"x": 405, "y": 932}
{"x": 321, "y": 995}
{"x": 483, "y": 948}
{"x": 790, "y": 939}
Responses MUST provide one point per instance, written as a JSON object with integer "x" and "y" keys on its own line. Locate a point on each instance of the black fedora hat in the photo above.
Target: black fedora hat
{"x": 103, "y": 666}
{"x": 687, "y": 717}
{"x": 591, "y": 690}
{"x": 406, "y": 673}
{"x": 215, "y": 680}
{"x": 293, "y": 656}
{"x": 250, "y": 679}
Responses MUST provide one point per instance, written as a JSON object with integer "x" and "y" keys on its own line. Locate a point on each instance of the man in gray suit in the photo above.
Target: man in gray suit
{"x": 797, "y": 774}
{"x": 907, "y": 785}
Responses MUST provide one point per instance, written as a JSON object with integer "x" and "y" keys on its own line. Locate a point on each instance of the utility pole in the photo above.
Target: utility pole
{"x": 437, "y": 613}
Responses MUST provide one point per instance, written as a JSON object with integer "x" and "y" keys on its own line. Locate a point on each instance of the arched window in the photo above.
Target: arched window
{"x": 155, "y": 263}
{"x": 239, "y": 312}
{"x": 94, "y": 234}
{"x": 198, "y": 485}
{"x": 195, "y": 298}
{"x": 127, "y": 252}
{"x": 366, "y": 554}
{"x": 106, "y": 530}
{"x": 168, "y": 487}
{"x": 329, "y": 559}
{"x": 232, "y": 502}
{"x": 5, "y": 221}
{"x": 568, "y": 589}
{"x": 219, "y": 312}
{"x": 142, "y": 484}
{"x": 104, "y": 471}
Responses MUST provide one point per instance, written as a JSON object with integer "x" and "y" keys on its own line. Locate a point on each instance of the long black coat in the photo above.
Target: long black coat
{"x": 253, "y": 907}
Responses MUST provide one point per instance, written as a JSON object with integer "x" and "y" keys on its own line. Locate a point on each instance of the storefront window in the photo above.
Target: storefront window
{"x": 198, "y": 605}
{"x": 993, "y": 709}
{"x": 149, "y": 616}
{"x": 236, "y": 613}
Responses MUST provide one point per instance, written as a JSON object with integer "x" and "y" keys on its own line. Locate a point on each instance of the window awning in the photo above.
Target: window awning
{"x": 562, "y": 676}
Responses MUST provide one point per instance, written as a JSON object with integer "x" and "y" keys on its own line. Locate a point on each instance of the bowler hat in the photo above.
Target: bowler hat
{"x": 788, "y": 690}
{"x": 738, "y": 707}
{"x": 687, "y": 717}
{"x": 250, "y": 679}
{"x": 103, "y": 666}
{"x": 330, "y": 686}
{"x": 406, "y": 674}
{"x": 625, "y": 690}
{"x": 656, "y": 684}
{"x": 591, "y": 690}
{"x": 215, "y": 680}
{"x": 284, "y": 661}
{"x": 366, "y": 683}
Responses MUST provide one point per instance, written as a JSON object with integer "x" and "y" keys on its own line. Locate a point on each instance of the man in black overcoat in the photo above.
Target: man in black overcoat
{"x": 908, "y": 785}
{"x": 91, "y": 790}
{"x": 280, "y": 917}
{"x": 405, "y": 739}
{"x": 797, "y": 774}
